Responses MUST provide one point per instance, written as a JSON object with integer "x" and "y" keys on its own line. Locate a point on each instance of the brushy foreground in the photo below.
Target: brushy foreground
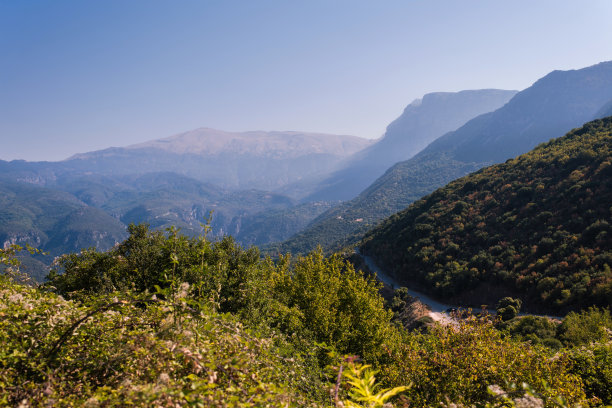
{"x": 165, "y": 320}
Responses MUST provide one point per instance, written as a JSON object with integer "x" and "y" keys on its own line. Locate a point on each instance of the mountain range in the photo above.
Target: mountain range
{"x": 90, "y": 198}
{"x": 553, "y": 105}
{"x": 246, "y": 160}
{"x": 423, "y": 121}
{"x": 178, "y": 181}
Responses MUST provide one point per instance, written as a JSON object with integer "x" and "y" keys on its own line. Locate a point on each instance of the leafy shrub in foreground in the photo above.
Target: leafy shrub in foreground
{"x": 112, "y": 351}
{"x": 590, "y": 325}
{"x": 458, "y": 362}
{"x": 312, "y": 298}
{"x": 508, "y": 308}
{"x": 327, "y": 300}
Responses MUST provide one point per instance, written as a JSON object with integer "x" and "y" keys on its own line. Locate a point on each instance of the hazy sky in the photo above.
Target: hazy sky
{"x": 84, "y": 75}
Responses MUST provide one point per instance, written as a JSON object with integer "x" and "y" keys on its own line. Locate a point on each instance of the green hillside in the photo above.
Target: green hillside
{"x": 404, "y": 183}
{"x": 537, "y": 226}
{"x": 53, "y": 221}
{"x": 80, "y": 211}
{"x": 275, "y": 225}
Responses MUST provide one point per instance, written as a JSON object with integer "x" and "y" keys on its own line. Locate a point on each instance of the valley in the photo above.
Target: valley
{"x": 466, "y": 251}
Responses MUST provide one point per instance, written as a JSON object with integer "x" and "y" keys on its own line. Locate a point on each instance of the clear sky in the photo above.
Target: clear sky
{"x": 80, "y": 75}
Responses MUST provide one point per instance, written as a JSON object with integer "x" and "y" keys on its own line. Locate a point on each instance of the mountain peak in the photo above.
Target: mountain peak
{"x": 207, "y": 141}
{"x": 254, "y": 159}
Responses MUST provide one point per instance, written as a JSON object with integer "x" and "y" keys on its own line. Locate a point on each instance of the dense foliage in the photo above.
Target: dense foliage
{"x": 587, "y": 338}
{"x": 312, "y": 297}
{"x": 458, "y": 362}
{"x": 112, "y": 351}
{"x": 170, "y": 320}
{"x": 537, "y": 227}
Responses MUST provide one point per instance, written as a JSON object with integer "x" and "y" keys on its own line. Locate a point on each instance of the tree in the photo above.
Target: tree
{"x": 508, "y": 308}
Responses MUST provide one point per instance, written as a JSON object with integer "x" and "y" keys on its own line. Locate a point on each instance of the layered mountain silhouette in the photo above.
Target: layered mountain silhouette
{"x": 553, "y": 105}
{"x": 89, "y": 199}
{"x": 247, "y": 160}
{"x": 93, "y": 211}
{"x": 422, "y": 121}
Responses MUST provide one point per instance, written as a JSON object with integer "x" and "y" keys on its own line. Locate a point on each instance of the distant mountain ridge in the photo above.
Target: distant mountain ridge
{"x": 552, "y": 106}
{"x": 89, "y": 199}
{"x": 289, "y": 144}
{"x": 422, "y": 121}
{"x": 236, "y": 160}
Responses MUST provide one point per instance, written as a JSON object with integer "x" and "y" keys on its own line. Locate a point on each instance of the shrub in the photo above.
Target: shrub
{"x": 508, "y": 308}
{"x": 591, "y": 325}
{"x": 458, "y": 362}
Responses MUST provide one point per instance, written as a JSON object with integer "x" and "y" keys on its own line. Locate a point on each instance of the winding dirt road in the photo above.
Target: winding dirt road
{"x": 438, "y": 310}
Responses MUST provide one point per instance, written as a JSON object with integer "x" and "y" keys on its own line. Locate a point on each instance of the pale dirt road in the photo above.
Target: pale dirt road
{"x": 437, "y": 309}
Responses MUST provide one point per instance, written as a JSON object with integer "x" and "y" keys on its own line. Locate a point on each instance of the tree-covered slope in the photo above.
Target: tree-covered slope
{"x": 537, "y": 227}
{"x": 552, "y": 106}
{"x": 53, "y": 221}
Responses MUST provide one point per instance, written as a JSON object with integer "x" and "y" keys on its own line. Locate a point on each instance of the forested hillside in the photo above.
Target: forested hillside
{"x": 537, "y": 227}
{"x": 552, "y": 106}
{"x": 53, "y": 221}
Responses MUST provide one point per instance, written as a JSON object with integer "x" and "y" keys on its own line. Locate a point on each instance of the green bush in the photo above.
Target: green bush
{"x": 459, "y": 362}
{"x": 508, "y": 308}
{"x": 594, "y": 366}
{"x": 591, "y": 325}
{"x": 112, "y": 351}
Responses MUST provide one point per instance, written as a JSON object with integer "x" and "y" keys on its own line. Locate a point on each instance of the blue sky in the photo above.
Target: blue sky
{"x": 77, "y": 76}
